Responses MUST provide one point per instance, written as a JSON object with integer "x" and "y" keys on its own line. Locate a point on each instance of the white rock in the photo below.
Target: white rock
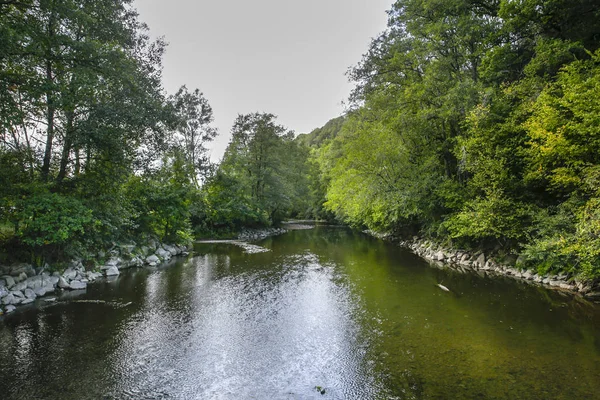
{"x": 77, "y": 285}
{"x": 51, "y": 280}
{"x": 152, "y": 260}
{"x": 9, "y": 309}
{"x": 480, "y": 260}
{"x": 34, "y": 282}
{"x": 10, "y": 281}
{"x": 8, "y": 299}
{"x": 30, "y": 294}
{"x": 27, "y": 301}
{"x": 114, "y": 262}
{"x": 70, "y": 273}
{"x": 62, "y": 283}
{"x": 162, "y": 253}
{"x": 112, "y": 271}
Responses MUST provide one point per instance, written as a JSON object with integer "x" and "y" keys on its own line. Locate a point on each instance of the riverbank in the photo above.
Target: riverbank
{"x": 486, "y": 264}
{"x": 22, "y": 284}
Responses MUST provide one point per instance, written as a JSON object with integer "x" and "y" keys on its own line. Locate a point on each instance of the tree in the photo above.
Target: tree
{"x": 193, "y": 130}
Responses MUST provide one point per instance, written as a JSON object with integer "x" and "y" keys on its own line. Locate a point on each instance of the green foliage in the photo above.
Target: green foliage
{"x": 50, "y": 224}
{"x": 91, "y": 149}
{"x": 319, "y": 136}
{"x": 226, "y": 207}
{"x": 261, "y": 180}
{"x": 160, "y": 203}
{"x": 476, "y": 122}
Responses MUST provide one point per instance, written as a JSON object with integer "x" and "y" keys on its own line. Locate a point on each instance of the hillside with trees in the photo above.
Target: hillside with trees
{"x": 476, "y": 123}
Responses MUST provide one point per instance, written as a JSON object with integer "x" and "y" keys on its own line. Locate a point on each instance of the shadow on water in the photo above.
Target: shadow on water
{"x": 325, "y": 308}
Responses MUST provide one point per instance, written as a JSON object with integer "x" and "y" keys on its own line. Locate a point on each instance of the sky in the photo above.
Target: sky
{"x": 284, "y": 57}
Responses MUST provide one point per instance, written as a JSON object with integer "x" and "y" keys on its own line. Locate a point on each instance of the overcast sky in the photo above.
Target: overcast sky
{"x": 279, "y": 56}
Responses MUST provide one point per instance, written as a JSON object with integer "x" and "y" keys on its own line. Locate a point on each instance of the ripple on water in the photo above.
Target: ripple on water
{"x": 353, "y": 316}
{"x": 251, "y": 335}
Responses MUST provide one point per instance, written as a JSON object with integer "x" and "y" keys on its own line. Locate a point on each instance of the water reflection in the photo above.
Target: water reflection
{"x": 326, "y": 308}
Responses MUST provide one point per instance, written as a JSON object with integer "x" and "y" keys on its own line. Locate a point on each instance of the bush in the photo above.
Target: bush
{"x": 53, "y": 226}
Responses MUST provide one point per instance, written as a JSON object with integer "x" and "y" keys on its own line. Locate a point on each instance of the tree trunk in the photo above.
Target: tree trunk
{"x": 68, "y": 143}
{"x": 50, "y": 104}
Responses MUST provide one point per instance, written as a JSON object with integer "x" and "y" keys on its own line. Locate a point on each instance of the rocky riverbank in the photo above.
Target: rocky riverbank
{"x": 259, "y": 234}
{"x": 23, "y": 284}
{"x": 486, "y": 264}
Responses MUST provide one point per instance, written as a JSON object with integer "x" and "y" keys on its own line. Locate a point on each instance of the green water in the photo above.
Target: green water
{"x": 327, "y": 308}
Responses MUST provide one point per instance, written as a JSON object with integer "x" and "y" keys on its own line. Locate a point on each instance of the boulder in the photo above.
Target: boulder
{"x": 18, "y": 294}
{"x": 20, "y": 286}
{"x": 152, "y": 260}
{"x": 52, "y": 280}
{"x": 3, "y": 291}
{"x": 112, "y": 271}
{"x": 136, "y": 262}
{"x": 27, "y": 301}
{"x": 30, "y": 294}
{"x": 171, "y": 249}
{"x": 566, "y": 286}
{"x": 62, "y": 283}
{"x": 40, "y": 291}
{"x": 114, "y": 262}
{"x": 163, "y": 254}
{"x": 8, "y": 299}
{"x": 480, "y": 262}
{"x": 9, "y": 309}
{"x": 70, "y": 273}
{"x": 439, "y": 256}
{"x": 10, "y": 281}
{"x": 34, "y": 282}
{"x": 77, "y": 285}
{"x": 92, "y": 276}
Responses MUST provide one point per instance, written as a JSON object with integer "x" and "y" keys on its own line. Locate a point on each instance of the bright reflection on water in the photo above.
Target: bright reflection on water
{"x": 324, "y": 308}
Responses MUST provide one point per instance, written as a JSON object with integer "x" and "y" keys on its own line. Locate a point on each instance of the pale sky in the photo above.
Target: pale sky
{"x": 284, "y": 57}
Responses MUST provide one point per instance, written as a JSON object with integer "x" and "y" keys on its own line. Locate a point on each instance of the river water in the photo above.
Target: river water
{"x": 327, "y": 313}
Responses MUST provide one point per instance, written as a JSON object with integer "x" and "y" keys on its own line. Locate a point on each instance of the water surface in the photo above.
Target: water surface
{"x": 325, "y": 314}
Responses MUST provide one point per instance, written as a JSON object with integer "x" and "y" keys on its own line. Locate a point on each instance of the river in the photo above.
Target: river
{"x": 326, "y": 313}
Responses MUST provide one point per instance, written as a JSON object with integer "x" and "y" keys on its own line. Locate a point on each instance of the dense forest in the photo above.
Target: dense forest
{"x": 474, "y": 123}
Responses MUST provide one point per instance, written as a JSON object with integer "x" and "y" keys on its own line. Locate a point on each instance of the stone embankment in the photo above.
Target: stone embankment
{"x": 22, "y": 284}
{"x": 464, "y": 261}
